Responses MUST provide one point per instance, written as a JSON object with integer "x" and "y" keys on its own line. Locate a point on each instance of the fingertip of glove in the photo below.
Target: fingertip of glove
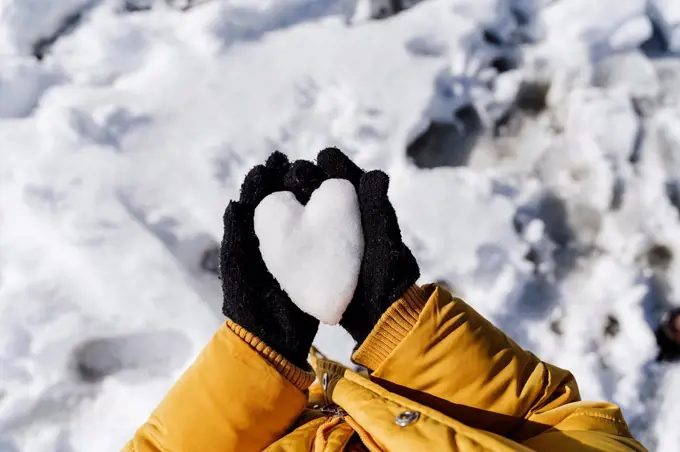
{"x": 330, "y": 154}
{"x": 374, "y": 184}
{"x": 231, "y": 207}
{"x": 260, "y": 182}
{"x": 263, "y": 180}
{"x": 253, "y": 185}
{"x": 337, "y": 165}
{"x": 278, "y": 162}
{"x": 233, "y": 214}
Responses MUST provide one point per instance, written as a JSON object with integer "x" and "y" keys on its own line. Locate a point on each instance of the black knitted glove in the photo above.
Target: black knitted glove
{"x": 388, "y": 268}
{"x": 252, "y": 297}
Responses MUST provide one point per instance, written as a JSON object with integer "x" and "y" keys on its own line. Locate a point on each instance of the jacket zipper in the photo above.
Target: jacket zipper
{"x": 334, "y": 411}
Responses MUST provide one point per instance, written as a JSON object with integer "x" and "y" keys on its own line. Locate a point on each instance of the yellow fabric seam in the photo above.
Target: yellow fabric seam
{"x": 597, "y": 416}
{"x": 300, "y": 378}
{"x": 394, "y": 325}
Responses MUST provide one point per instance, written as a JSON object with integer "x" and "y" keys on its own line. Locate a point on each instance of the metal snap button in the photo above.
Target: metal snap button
{"x": 406, "y": 418}
{"x": 324, "y": 381}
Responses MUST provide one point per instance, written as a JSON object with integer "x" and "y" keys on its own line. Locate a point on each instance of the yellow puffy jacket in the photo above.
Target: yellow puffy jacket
{"x": 443, "y": 379}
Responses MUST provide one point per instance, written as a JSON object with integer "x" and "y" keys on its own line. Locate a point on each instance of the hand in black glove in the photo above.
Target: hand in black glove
{"x": 388, "y": 267}
{"x": 252, "y": 296}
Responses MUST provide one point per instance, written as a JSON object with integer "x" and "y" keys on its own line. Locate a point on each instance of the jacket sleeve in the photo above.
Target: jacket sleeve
{"x": 231, "y": 398}
{"x": 438, "y": 351}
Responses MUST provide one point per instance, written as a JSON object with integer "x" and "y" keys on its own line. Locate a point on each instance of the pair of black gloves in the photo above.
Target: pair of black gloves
{"x": 253, "y": 297}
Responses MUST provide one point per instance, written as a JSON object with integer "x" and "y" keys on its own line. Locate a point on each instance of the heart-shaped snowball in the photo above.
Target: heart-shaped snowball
{"x": 314, "y": 251}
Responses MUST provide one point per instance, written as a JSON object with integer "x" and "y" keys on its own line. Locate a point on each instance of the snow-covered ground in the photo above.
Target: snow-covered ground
{"x": 125, "y": 128}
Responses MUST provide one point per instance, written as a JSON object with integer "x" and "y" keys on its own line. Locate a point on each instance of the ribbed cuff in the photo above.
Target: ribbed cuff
{"x": 300, "y": 378}
{"x": 391, "y": 329}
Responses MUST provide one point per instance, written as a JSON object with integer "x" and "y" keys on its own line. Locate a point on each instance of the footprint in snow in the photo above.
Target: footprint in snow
{"x": 133, "y": 357}
{"x": 137, "y": 355}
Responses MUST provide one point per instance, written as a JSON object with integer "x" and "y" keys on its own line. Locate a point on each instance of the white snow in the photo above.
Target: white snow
{"x": 314, "y": 251}
{"x": 667, "y": 15}
{"x": 24, "y": 22}
{"x": 22, "y": 83}
{"x": 120, "y": 149}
